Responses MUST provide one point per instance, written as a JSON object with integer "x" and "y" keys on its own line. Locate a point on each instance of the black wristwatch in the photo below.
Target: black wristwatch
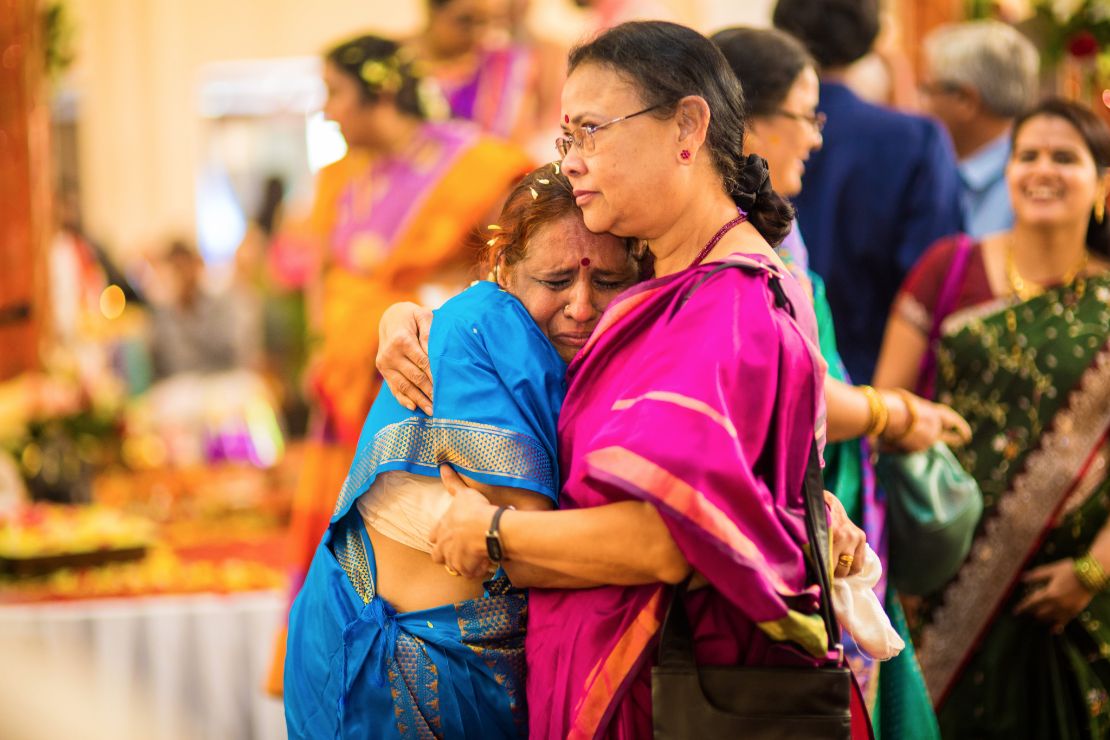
{"x": 494, "y": 550}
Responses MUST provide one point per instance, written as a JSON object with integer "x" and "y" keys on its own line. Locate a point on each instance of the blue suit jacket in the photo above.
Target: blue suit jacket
{"x": 882, "y": 189}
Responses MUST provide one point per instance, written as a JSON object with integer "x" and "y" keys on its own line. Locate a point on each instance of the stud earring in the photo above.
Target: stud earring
{"x": 685, "y": 154}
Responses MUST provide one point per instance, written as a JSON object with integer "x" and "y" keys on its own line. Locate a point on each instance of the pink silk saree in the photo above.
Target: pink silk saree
{"x": 696, "y": 393}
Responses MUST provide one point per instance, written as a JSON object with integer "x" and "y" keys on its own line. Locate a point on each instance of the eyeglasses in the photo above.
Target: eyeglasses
{"x": 583, "y": 136}
{"x": 816, "y": 121}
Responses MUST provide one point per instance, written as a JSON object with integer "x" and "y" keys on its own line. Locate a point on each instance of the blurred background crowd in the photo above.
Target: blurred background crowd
{"x": 199, "y": 230}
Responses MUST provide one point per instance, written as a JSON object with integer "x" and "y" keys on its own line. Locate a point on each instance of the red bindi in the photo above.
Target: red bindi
{"x": 566, "y": 118}
{"x": 585, "y": 261}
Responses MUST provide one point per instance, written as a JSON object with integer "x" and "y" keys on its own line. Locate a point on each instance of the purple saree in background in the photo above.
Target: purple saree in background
{"x": 706, "y": 408}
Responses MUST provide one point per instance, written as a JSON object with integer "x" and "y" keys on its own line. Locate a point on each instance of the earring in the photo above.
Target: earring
{"x": 685, "y": 154}
{"x": 1100, "y": 206}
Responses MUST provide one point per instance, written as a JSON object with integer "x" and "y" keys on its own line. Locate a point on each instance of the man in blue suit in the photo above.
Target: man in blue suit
{"x": 882, "y": 188}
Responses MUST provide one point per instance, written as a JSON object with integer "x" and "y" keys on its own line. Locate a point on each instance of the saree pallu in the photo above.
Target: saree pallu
{"x": 696, "y": 394}
{"x": 495, "y": 95}
{"x": 354, "y": 667}
{"x": 358, "y": 669}
{"x": 1033, "y": 380}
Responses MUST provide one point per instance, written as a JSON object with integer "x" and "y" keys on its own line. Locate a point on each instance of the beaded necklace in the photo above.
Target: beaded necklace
{"x": 740, "y": 218}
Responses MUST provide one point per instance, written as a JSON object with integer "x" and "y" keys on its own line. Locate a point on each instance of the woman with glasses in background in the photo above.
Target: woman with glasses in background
{"x": 781, "y": 89}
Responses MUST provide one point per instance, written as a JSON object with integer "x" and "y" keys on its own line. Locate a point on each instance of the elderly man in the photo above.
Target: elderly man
{"x": 978, "y": 76}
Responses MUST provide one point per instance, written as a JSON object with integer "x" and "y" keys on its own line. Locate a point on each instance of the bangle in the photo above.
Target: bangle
{"x": 911, "y": 412}
{"x": 1090, "y": 573}
{"x": 880, "y": 415}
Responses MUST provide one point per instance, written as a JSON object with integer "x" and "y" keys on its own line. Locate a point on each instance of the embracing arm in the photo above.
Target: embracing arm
{"x": 625, "y": 543}
{"x": 621, "y": 544}
{"x": 403, "y": 354}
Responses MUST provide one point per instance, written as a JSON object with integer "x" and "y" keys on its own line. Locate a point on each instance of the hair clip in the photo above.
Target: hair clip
{"x": 382, "y": 74}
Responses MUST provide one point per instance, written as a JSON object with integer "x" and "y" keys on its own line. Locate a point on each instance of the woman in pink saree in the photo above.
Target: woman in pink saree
{"x": 691, "y": 411}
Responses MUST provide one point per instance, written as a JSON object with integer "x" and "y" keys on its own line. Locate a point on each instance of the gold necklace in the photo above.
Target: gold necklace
{"x": 1026, "y": 291}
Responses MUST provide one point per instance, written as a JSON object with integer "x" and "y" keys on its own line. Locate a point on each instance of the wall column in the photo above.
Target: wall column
{"x": 25, "y": 186}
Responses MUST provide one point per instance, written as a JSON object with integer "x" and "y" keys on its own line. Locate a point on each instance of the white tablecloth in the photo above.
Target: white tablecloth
{"x": 171, "y": 668}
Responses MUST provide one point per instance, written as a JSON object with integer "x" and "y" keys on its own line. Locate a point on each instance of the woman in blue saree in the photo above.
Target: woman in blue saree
{"x": 383, "y": 642}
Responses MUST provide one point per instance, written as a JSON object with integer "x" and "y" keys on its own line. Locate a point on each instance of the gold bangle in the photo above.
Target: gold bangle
{"x": 880, "y": 414}
{"x": 911, "y": 412}
{"x": 1089, "y": 572}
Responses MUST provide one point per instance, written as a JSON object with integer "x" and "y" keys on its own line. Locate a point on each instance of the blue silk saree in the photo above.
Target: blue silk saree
{"x": 355, "y": 668}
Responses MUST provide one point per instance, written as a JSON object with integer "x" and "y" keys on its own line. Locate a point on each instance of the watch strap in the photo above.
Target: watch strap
{"x": 494, "y": 549}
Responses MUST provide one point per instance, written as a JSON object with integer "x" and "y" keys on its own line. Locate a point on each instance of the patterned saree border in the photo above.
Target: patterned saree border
{"x": 473, "y": 447}
{"x": 350, "y": 553}
{"x": 612, "y": 670}
{"x": 959, "y": 319}
{"x": 1036, "y": 496}
{"x": 414, "y": 687}
{"x": 493, "y": 628}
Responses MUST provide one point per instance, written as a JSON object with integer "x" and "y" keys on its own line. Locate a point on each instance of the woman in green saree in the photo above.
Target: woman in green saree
{"x": 1017, "y": 645}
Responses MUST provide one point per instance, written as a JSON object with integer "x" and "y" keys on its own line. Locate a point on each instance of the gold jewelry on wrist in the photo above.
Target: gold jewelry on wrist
{"x": 1090, "y": 573}
{"x": 911, "y": 413}
{"x": 880, "y": 414}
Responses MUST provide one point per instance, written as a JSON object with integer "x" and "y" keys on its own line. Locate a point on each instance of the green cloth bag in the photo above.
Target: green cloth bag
{"x": 934, "y": 507}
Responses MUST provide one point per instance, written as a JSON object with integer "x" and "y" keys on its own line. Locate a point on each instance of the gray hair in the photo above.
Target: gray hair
{"x": 990, "y": 56}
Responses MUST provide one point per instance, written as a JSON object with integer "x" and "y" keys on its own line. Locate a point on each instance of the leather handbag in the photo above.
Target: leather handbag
{"x": 934, "y": 508}
{"x": 755, "y": 702}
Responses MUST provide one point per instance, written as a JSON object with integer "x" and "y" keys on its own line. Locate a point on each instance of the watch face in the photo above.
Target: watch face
{"x": 493, "y": 548}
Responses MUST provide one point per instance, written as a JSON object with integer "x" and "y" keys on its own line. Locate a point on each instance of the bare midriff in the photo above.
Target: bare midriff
{"x": 410, "y": 581}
